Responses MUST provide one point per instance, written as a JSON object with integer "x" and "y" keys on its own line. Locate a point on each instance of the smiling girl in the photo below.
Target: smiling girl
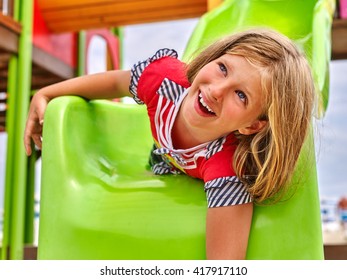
{"x": 235, "y": 117}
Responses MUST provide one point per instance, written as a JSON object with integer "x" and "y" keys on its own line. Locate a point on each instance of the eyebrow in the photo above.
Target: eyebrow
{"x": 250, "y": 94}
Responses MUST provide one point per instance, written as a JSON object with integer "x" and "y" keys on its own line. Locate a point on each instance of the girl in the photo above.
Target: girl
{"x": 235, "y": 117}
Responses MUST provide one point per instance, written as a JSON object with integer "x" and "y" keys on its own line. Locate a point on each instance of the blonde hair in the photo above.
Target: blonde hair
{"x": 265, "y": 161}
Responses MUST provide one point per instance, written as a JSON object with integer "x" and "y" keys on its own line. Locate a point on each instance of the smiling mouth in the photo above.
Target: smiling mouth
{"x": 204, "y": 106}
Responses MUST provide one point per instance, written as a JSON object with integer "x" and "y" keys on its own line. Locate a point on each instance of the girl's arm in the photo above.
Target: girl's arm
{"x": 227, "y": 231}
{"x": 107, "y": 85}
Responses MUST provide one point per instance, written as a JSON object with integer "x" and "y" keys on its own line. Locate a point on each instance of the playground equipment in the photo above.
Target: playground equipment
{"x": 100, "y": 202}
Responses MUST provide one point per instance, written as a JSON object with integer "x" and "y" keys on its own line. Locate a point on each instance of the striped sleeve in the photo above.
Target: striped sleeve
{"x": 170, "y": 90}
{"x": 226, "y": 191}
{"x": 138, "y": 69}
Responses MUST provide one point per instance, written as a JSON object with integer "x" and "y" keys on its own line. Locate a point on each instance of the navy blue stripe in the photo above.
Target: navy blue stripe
{"x": 138, "y": 68}
{"x": 226, "y": 191}
{"x": 170, "y": 90}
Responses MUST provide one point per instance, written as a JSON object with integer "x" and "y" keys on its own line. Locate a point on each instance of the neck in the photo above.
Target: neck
{"x": 182, "y": 138}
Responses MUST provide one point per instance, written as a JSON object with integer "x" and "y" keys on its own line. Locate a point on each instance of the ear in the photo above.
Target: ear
{"x": 255, "y": 127}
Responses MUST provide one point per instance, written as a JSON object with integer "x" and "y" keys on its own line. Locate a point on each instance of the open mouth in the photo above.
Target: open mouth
{"x": 204, "y": 107}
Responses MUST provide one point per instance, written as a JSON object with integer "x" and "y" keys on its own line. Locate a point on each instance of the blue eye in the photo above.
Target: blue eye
{"x": 241, "y": 95}
{"x": 223, "y": 68}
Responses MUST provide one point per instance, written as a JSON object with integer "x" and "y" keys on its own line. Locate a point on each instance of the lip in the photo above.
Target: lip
{"x": 198, "y": 106}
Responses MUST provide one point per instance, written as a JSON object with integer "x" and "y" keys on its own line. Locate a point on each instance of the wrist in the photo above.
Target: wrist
{"x": 42, "y": 94}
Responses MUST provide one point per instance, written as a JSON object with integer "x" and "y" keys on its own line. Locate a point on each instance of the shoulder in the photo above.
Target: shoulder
{"x": 149, "y": 74}
{"x": 220, "y": 163}
{"x": 162, "y": 54}
{"x": 164, "y": 65}
{"x": 222, "y": 186}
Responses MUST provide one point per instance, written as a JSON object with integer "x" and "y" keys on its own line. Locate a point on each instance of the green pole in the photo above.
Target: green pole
{"x": 30, "y": 197}
{"x": 17, "y": 171}
{"x": 81, "y": 55}
{"x": 10, "y": 120}
{"x": 20, "y": 158}
{"x": 10, "y": 117}
{"x": 118, "y": 31}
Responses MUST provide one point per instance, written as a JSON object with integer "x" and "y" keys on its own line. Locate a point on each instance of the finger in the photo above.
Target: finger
{"x": 32, "y": 131}
{"x": 27, "y": 142}
{"x": 40, "y": 111}
{"x": 27, "y": 148}
{"x": 37, "y": 140}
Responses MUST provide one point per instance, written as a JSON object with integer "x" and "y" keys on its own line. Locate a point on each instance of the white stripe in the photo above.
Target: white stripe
{"x": 156, "y": 116}
{"x": 226, "y": 191}
{"x": 168, "y": 129}
{"x": 163, "y": 137}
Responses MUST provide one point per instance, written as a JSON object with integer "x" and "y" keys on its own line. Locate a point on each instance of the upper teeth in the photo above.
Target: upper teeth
{"x": 204, "y": 104}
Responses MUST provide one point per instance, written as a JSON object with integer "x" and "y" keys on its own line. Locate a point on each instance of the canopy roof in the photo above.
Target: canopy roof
{"x": 74, "y": 15}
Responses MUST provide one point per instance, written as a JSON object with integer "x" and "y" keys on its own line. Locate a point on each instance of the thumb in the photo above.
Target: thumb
{"x": 40, "y": 110}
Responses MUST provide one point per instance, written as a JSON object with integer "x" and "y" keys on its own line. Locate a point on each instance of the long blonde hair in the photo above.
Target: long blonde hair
{"x": 265, "y": 161}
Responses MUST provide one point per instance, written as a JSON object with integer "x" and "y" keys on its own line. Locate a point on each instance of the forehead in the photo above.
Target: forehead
{"x": 253, "y": 77}
{"x": 265, "y": 72}
{"x": 243, "y": 69}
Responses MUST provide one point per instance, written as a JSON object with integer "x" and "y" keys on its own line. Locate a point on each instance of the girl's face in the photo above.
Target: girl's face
{"x": 225, "y": 96}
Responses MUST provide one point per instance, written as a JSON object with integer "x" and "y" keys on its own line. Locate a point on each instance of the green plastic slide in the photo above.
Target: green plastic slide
{"x": 100, "y": 201}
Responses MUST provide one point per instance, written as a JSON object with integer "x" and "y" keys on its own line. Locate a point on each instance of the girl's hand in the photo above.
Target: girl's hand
{"x": 106, "y": 85}
{"x": 33, "y": 128}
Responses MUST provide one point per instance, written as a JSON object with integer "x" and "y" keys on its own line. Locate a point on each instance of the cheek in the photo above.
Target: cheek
{"x": 205, "y": 73}
{"x": 232, "y": 106}
{"x": 236, "y": 115}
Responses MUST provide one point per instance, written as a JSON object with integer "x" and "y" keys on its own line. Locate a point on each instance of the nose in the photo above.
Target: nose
{"x": 217, "y": 91}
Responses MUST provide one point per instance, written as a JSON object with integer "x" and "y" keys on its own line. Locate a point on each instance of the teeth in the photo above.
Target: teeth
{"x": 204, "y": 104}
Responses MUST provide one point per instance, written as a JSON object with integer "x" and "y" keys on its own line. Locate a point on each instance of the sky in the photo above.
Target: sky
{"x": 142, "y": 41}
{"x": 331, "y": 135}
{"x": 151, "y": 37}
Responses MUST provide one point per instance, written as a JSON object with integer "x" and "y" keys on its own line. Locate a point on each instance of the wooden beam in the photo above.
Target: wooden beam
{"x": 4, "y": 59}
{"x": 115, "y": 8}
{"x": 119, "y": 20}
{"x": 10, "y": 23}
{"x": 51, "y": 64}
{"x": 4, "y": 73}
{"x": 38, "y": 82}
{"x": 74, "y": 15}
{"x": 55, "y": 5}
{"x": 9, "y": 32}
{"x": 335, "y": 252}
{"x": 30, "y": 251}
{"x": 339, "y": 39}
